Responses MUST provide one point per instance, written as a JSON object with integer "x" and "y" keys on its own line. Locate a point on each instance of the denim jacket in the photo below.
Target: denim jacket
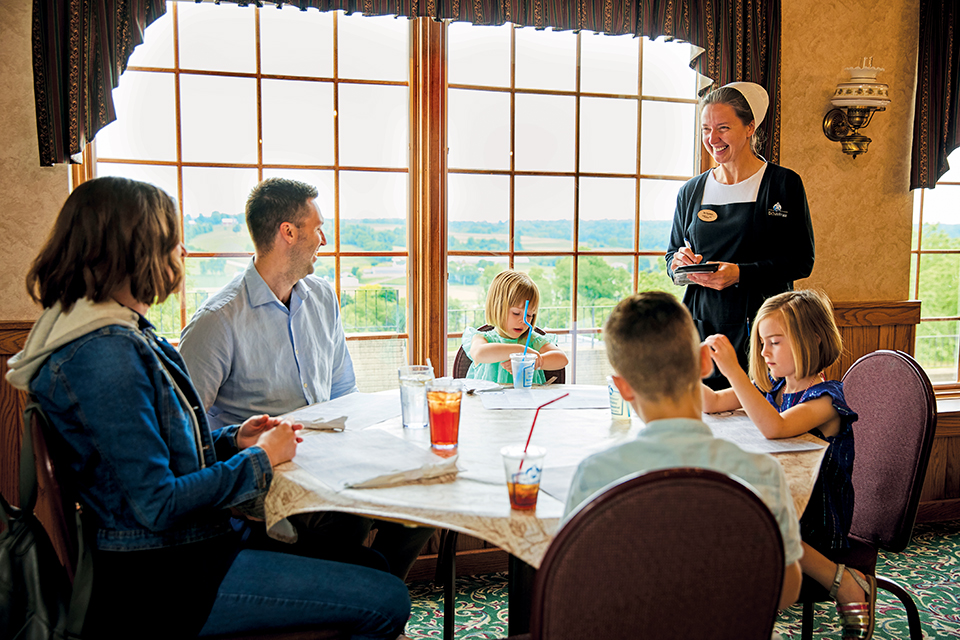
{"x": 145, "y": 464}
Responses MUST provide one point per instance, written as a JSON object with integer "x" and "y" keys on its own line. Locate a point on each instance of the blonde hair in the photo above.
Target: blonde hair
{"x": 653, "y": 344}
{"x": 511, "y": 289}
{"x": 807, "y": 318}
{"x": 110, "y": 230}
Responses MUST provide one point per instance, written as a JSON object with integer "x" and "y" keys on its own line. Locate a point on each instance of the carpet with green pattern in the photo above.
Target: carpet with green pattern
{"x": 929, "y": 569}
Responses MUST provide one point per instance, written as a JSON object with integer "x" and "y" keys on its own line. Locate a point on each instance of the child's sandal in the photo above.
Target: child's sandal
{"x": 857, "y": 618}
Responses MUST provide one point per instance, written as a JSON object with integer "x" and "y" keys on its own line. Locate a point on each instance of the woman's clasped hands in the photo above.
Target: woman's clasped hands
{"x": 278, "y": 438}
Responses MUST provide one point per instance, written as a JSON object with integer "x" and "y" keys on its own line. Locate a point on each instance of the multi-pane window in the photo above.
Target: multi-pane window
{"x": 220, "y": 97}
{"x": 935, "y": 276}
{"x": 565, "y": 153}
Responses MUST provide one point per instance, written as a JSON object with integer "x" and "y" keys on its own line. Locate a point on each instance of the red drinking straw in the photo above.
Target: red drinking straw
{"x": 535, "y": 422}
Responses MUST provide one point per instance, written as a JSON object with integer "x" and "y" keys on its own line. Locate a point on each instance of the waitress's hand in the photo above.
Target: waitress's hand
{"x": 684, "y": 256}
{"x": 726, "y": 276}
{"x": 280, "y": 442}
{"x": 723, "y": 354}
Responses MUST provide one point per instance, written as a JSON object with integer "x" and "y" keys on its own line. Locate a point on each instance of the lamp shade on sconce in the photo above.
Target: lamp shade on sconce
{"x": 855, "y": 103}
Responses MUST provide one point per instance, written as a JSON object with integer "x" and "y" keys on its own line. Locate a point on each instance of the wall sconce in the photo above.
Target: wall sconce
{"x": 856, "y": 101}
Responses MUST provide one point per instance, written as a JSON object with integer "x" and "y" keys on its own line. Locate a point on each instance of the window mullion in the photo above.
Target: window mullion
{"x": 427, "y": 262}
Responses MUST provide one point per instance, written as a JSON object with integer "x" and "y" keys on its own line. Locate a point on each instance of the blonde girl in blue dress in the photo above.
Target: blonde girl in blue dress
{"x": 490, "y": 350}
{"x": 794, "y": 338}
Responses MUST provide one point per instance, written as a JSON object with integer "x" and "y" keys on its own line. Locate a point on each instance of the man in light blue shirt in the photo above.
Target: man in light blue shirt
{"x": 271, "y": 341}
{"x": 658, "y": 362}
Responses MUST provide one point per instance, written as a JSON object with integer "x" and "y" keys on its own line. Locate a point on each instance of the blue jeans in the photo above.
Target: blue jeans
{"x": 265, "y": 590}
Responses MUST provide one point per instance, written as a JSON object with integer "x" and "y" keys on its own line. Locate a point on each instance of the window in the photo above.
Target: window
{"x": 935, "y": 277}
{"x": 565, "y": 154}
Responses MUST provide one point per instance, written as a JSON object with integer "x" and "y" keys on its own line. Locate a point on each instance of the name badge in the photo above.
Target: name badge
{"x": 777, "y": 211}
{"x": 707, "y": 215}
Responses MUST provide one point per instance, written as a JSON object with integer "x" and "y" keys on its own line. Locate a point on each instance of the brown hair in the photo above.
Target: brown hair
{"x": 653, "y": 344}
{"x": 741, "y": 108}
{"x": 807, "y": 318}
{"x": 511, "y": 289}
{"x": 273, "y": 202}
{"x": 110, "y": 230}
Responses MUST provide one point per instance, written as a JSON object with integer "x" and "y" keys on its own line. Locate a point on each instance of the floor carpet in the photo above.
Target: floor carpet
{"x": 929, "y": 569}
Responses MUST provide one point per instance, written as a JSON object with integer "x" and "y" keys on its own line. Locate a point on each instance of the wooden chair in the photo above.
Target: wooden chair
{"x": 670, "y": 554}
{"x": 461, "y": 363}
{"x": 892, "y": 438}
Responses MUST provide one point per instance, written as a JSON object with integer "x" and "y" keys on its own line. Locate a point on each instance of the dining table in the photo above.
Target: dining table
{"x": 468, "y": 493}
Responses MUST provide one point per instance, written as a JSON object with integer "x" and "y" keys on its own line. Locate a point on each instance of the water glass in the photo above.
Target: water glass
{"x": 413, "y": 395}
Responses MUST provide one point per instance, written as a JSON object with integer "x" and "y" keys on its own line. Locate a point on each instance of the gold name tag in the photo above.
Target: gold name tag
{"x": 707, "y": 215}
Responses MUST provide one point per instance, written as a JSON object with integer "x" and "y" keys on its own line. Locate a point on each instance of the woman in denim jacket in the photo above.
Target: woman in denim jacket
{"x": 159, "y": 485}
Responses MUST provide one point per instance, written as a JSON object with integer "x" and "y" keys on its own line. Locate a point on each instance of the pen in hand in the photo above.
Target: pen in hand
{"x": 689, "y": 246}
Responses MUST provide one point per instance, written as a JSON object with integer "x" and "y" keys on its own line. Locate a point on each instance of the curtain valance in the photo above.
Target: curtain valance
{"x": 81, "y": 47}
{"x": 936, "y": 116}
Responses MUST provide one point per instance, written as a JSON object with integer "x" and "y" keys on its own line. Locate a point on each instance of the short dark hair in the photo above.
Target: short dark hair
{"x": 653, "y": 344}
{"x": 735, "y": 100}
{"x": 109, "y": 229}
{"x": 273, "y": 202}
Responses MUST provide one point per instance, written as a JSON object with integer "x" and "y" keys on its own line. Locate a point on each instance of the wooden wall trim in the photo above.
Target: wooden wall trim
{"x": 13, "y": 335}
{"x": 875, "y": 314}
{"x": 868, "y": 326}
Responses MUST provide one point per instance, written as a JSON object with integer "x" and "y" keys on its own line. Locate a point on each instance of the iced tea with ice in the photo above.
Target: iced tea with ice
{"x": 523, "y": 497}
{"x": 443, "y": 400}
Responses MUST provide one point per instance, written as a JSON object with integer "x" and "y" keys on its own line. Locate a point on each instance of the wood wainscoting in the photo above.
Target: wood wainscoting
{"x": 868, "y": 326}
{"x": 13, "y": 335}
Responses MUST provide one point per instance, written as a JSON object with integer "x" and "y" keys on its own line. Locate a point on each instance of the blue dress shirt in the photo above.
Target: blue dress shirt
{"x": 248, "y": 354}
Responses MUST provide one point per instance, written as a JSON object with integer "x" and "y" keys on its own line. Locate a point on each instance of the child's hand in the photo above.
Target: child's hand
{"x": 723, "y": 354}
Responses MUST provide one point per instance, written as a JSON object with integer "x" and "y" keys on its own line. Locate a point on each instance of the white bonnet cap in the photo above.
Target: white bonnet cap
{"x": 756, "y": 97}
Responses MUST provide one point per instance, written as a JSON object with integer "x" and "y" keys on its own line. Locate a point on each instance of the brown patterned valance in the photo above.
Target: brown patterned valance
{"x": 936, "y": 116}
{"x": 81, "y": 47}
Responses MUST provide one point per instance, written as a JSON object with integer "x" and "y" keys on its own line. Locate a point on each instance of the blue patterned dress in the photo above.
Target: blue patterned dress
{"x": 826, "y": 520}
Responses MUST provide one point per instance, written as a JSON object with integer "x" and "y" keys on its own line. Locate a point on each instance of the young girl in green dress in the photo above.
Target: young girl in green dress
{"x": 490, "y": 350}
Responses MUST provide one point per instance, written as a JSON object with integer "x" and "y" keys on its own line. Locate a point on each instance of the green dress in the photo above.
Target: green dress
{"x": 492, "y": 371}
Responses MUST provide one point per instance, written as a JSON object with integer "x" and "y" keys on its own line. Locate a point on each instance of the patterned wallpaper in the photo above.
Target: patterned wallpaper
{"x": 862, "y": 208}
{"x": 31, "y": 195}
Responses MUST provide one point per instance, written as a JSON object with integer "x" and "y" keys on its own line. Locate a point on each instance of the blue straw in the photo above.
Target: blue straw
{"x": 530, "y": 330}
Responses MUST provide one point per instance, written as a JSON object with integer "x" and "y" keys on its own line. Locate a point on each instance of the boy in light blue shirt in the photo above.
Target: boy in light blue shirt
{"x": 658, "y": 362}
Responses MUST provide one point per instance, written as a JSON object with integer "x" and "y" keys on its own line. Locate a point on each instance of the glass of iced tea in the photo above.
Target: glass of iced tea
{"x": 443, "y": 402}
{"x": 523, "y": 469}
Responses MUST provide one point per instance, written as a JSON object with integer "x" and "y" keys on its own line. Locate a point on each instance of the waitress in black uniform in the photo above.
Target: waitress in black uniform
{"x": 748, "y": 215}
